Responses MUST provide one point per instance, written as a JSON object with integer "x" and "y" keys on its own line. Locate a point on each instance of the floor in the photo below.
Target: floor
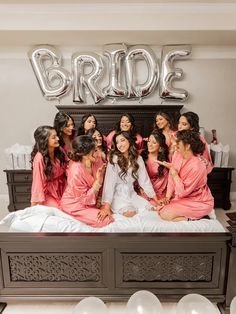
{"x": 29, "y": 307}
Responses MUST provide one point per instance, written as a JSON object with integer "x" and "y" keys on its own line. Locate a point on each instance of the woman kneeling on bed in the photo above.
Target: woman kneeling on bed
{"x": 84, "y": 180}
{"x": 124, "y": 167}
{"x": 188, "y": 196}
{"x": 49, "y": 168}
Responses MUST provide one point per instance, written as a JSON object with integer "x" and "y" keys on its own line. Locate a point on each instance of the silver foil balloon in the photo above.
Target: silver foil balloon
{"x": 90, "y": 80}
{"x": 170, "y": 73}
{"x": 115, "y": 53}
{"x": 53, "y": 79}
{"x": 135, "y": 90}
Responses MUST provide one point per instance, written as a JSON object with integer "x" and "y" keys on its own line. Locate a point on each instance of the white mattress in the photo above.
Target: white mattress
{"x": 48, "y": 219}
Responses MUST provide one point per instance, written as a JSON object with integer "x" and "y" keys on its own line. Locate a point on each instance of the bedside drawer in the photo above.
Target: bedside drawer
{"x": 22, "y": 198}
{"x": 22, "y": 188}
{"x": 22, "y": 177}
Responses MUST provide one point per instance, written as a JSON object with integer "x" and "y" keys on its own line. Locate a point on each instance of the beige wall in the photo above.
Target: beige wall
{"x": 209, "y": 78}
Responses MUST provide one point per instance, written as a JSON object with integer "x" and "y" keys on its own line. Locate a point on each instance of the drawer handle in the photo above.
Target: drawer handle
{"x": 26, "y": 177}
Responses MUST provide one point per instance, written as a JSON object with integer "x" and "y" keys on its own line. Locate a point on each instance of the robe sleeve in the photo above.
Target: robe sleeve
{"x": 39, "y": 181}
{"x": 82, "y": 191}
{"x": 109, "y": 184}
{"x": 206, "y": 154}
{"x": 183, "y": 188}
{"x": 109, "y": 138}
{"x": 144, "y": 180}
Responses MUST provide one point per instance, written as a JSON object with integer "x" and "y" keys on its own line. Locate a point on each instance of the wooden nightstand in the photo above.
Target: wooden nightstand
{"x": 19, "y": 188}
{"x": 219, "y": 181}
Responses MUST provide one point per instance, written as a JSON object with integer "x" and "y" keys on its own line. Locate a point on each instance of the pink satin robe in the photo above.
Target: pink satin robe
{"x": 139, "y": 140}
{"x": 159, "y": 184}
{"x": 192, "y": 197}
{"x": 206, "y": 154}
{"x": 79, "y": 199}
{"x": 44, "y": 191}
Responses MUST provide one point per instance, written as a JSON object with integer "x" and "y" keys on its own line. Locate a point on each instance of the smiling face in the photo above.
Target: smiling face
{"x": 122, "y": 144}
{"x": 89, "y": 123}
{"x": 53, "y": 139}
{"x": 162, "y": 122}
{"x": 152, "y": 145}
{"x": 183, "y": 124}
{"x": 125, "y": 124}
{"x": 69, "y": 128}
{"x": 98, "y": 137}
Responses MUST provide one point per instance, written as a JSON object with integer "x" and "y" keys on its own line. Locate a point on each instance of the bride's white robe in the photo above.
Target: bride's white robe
{"x": 119, "y": 192}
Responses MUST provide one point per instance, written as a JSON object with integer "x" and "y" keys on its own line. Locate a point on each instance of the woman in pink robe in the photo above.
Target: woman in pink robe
{"x": 190, "y": 121}
{"x": 127, "y": 124}
{"x": 84, "y": 180}
{"x": 164, "y": 123}
{"x": 188, "y": 196}
{"x": 65, "y": 128}
{"x": 156, "y": 150}
{"x": 49, "y": 167}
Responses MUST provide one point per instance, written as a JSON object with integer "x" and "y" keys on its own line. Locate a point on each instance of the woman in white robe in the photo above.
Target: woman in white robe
{"x": 124, "y": 168}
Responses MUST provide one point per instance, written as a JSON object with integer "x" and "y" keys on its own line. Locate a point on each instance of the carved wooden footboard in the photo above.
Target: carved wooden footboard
{"x": 114, "y": 266}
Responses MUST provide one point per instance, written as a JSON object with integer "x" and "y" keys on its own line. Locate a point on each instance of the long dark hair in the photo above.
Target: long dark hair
{"x": 193, "y": 139}
{"x": 133, "y": 130}
{"x": 122, "y": 162}
{"x": 104, "y": 144}
{"x": 82, "y": 145}
{"x": 193, "y": 120}
{"x": 168, "y": 117}
{"x": 83, "y": 120}
{"x": 162, "y": 154}
{"x": 60, "y": 122}
{"x": 41, "y": 136}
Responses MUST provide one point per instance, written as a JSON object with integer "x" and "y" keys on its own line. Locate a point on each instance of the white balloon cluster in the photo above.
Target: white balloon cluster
{"x": 145, "y": 302}
{"x": 55, "y": 81}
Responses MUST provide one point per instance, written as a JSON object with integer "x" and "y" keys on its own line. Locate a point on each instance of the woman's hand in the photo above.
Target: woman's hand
{"x": 169, "y": 166}
{"x": 104, "y": 212}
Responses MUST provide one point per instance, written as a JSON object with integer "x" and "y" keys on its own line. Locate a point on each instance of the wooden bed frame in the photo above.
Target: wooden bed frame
{"x": 70, "y": 266}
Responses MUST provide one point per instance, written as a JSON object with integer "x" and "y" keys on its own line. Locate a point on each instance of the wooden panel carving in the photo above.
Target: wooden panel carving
{"x": 151, "y": 267}
{"x": 55, "y": 268}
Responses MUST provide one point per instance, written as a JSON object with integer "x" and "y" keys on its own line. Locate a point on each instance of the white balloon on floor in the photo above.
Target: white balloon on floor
{"x": 233, "y": 306}
{"x": 195, "y": 304}
{"x": 90, "y": 305}
{"x": 144, "y": 302}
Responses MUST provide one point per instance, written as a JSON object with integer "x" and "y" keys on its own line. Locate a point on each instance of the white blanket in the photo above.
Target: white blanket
{"x": 48, "y": 219}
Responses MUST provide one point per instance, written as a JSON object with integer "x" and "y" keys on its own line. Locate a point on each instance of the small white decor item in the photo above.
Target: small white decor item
{"x": 225, "y": 157}
{"x": 90, "y": 305}
{"x": 18, "y": 156}
{"x": 233, "y": 306}
{"x": 220, "y": 154}
{"x": 216, "y": 153}
{"x": 195, "y": 304}
{"x": 144, "y": 302}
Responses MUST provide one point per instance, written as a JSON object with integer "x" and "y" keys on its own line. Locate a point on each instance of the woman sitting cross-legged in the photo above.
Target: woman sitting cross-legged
{"x": 49, "y": 168}
{"x": 188, "y": 196}
{"x": 124, "y": 167}
{"x": 84, "y": 180}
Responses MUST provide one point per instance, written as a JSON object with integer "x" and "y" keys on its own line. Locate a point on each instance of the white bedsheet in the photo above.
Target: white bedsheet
{"x": 48, "y": 219}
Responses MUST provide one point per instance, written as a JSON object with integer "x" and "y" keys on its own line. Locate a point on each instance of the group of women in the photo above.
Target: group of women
{"x": 91, "y": 176}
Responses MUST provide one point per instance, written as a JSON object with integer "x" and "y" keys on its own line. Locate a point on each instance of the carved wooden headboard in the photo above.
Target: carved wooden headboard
{"x": 108, "y": 115}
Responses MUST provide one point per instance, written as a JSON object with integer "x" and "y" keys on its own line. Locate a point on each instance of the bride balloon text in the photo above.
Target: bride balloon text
{"x": 121, "y": 66}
